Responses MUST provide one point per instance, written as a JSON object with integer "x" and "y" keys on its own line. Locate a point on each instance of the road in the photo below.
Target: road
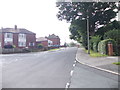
{"x": 49, "y": 69}
{"x": 87, "y": 77}
{"x": 52, "y": 69}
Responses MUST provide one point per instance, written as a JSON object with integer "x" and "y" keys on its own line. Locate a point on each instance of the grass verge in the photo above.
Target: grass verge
{"x": 95, "y": 54}
{"x": 54, "y": 49}
{"x": 117, "y": 63}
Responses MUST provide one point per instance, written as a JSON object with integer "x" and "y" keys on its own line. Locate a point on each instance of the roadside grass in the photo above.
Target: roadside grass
{"x": 54, "y": 49}
{"x": 117, "y": 63}
{"x": 95, "y": 54}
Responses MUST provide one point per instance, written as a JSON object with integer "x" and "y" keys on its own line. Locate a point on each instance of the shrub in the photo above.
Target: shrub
{"x": 8, "y": 46}
{"x": 40, "y": 46}
{"x": 14, "y": 46}
{"x": 95, "y": 47}
{"x": 84, "y": 41}
{"x": 94, "y": 43}
{"x": 113, "y": 34}
{"x": 103, "y": 46}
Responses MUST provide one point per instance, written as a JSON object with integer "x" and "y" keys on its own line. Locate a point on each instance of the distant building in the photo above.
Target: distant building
{"x": 44, "y": 41}
{"x": 55, "y": 39}
{"x": 19, "y": 37}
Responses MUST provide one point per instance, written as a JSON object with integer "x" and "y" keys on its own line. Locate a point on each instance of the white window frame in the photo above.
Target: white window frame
{"x": 21, "y": 40}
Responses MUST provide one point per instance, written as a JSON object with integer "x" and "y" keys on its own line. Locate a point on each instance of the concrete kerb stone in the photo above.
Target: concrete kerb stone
{"x": 105, "y": 70}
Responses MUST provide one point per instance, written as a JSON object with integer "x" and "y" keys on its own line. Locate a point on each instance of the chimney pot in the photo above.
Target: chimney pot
{"x": 15, "y": 27}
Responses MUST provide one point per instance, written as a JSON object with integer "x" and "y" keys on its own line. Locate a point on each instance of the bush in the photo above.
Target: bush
{"x": 113, "y": 34}
{"x": 94, "y": 43}
{"x": 95, "y": 47}
{"x": 40, "y": 46}
{"x": 8, "y": 46}
{"x": 84, "y": 41}
{"x": 103, "y": 46}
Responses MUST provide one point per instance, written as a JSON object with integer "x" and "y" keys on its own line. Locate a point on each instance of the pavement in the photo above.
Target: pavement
{"x": 94, "y": 72}
{"x": 101, "y": 63}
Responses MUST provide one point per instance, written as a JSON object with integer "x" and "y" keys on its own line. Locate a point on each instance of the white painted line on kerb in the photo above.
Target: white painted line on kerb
{"x": 98, "y": 68}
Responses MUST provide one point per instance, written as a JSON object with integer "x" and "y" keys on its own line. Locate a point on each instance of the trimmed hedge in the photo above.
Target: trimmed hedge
{"x": 94, "y": 43}
{"x": 103, "y": 46}
{"x": 95, "y": 46}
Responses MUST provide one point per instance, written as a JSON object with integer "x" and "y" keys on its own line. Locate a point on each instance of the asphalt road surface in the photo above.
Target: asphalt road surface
{"x": 52, "y": 69}
{"x": 49, "y": 69}
{"x": 87, "y": 77}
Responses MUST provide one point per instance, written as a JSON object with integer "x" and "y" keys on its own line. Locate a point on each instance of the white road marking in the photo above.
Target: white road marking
{"x": 71, "y": 73}
{"x": 75, "y": 61}
{"x": 67, "y": 86}
{"x": 73, "y": 65}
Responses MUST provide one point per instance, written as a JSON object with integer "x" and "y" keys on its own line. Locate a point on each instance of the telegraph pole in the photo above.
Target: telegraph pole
{"x": 88, "y": 39}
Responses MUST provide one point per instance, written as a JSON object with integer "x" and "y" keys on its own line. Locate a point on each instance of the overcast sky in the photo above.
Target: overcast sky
{"x": 38, "y": 16}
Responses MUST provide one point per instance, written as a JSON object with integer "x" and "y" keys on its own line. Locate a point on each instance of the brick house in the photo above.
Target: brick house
{"x": 44, "y": 41}
{"x": 55, "y": 39}
{"x": 19, "y": 37}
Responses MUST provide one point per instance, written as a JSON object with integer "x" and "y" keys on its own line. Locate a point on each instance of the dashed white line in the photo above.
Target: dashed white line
{"x": 67, "y": 86}
{"x": 71, "y": 73}
{"x": 73, "y": 65}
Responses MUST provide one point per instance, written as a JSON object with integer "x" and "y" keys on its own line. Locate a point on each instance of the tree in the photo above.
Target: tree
{"x": 79, "y": 31}
{"x": 113, "y": 25}
{"x": 99, "y": 13}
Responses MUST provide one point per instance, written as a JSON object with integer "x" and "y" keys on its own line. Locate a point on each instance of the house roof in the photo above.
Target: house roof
{"x": 41, "y": 39}
{"x": 17, "y": 30}
{"x": 53, "y": 36}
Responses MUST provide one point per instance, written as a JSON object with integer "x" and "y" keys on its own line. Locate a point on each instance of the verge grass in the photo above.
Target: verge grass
{"x": 117, "y": 63}
{"x": 95, "y": 54}
{"x": 54, "y": 49}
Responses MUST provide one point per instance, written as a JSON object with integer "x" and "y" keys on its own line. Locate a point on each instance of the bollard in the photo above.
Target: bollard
{"x": 110, "y": 49}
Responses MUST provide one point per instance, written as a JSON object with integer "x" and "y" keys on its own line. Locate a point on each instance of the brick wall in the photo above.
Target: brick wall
{"x": 56, "y": 41}
{"x": 30, "y": 38}
{"x": 44, "y": 43}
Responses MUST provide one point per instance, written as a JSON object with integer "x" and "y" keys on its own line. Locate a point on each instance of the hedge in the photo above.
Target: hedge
{"x": 103, "y": 46}
{"x": 95, "y": 46}
{"x": 94, "y": 43}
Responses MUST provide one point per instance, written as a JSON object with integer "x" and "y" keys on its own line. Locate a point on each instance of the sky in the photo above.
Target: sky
{"x": 38, "y": 16}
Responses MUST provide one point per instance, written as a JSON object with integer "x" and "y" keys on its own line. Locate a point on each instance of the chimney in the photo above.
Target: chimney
{"x": 15, "y": 27}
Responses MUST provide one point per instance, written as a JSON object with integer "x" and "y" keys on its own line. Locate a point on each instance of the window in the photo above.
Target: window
{"x": 22, "y": 35}
{"x": 22, "y": 40}
{"x": 31, "y": 44}
{"x": 8, "y": 35}
{"x": 22, "y": 44}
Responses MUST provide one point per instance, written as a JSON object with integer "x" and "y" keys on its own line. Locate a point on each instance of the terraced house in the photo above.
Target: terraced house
{"x": 19, "y": 37}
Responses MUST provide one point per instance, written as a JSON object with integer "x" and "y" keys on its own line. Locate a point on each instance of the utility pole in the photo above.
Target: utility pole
{"x": 88, "y": 39}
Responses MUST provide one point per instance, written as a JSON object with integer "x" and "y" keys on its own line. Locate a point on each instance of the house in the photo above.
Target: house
{"x": 19, "y": 37}
{"x": 55, "y": 39}
{"x": 44, "y": 41}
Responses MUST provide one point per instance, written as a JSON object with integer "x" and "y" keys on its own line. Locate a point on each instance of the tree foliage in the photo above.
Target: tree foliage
{"x": 113, "y": 25}
{"x": 99, "y": 13}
